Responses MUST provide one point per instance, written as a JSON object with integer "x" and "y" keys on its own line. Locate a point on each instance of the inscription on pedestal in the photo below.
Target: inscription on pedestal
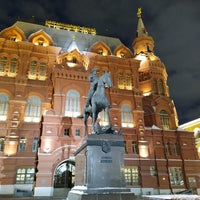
{"x": 106, "y": 159}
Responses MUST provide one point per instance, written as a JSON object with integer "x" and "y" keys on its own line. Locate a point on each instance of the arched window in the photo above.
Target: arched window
{"x": 72, "y": 105}
{"x": 33, "y": 109}
{"x": 155, "y": 86}
{"x": 161, "y": 87}
{"x": 164, "y": 120}
{"x": 126, "y": 116}
{"x": 4, "y": 100}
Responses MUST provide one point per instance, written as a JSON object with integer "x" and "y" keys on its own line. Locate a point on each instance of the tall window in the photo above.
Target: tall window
{"x": 42, "y": 71}
{"x": 128, "y": 82}
{"x": 2, "y": 143}
{"x": 13, "y": 67}
{"x": 153, "y": 171}
{"x": 161, "y": 87}
{"x": 134, "y": 147}
{"x": 132, "y": 176}
{"x": 3, "y": 63}
{"x": 176, "y": 149}
{"x": 72, "y": 105}
{"x": 25, "y": 176}
{"x": 4, "y": 100}
{"x": 120, "y": 81}
{"x": 167, "y": 149}
{"x": 126, "y": 116}
{"x": 33, "y": 70}
{"x": 155, "y": 86}
{"x": 22, "y": 144}
{"x": 164, "y": 119}
{"x": 35, "y": 144}
{"x": 176, "y": 176}
{"x": 33, "y": 109}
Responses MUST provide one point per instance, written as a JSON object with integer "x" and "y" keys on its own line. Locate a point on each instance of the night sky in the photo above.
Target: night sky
{"x": 173, "y": 24}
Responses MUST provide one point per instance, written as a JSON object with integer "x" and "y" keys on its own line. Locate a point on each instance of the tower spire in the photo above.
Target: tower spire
{"x": 141, "y": 30}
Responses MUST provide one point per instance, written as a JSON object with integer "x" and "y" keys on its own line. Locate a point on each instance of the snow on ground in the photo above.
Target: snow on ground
{"x": 174, "y": 197}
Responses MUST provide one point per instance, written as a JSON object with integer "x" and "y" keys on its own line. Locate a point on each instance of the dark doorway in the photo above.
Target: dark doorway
{"x": 65, "y": 175}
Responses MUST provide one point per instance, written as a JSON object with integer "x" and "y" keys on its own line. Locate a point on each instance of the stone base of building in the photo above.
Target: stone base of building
{"x": 101, "y": 194}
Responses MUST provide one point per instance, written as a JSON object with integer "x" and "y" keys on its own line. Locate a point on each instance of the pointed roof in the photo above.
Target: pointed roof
{"x": 73, "y": 45}
{"x": 141, "y": 30}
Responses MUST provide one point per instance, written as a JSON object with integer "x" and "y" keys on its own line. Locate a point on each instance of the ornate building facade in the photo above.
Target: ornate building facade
{"x": 44, "y": 72}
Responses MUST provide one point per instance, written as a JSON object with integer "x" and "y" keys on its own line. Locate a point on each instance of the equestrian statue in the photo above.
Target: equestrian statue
{"x": 96, "y": 102}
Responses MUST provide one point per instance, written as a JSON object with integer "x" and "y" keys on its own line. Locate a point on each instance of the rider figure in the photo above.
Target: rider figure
{"x": 93, "y": 79}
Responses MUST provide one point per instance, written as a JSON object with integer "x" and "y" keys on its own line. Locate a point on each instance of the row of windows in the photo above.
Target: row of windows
{"x": 72, "y": 109}
{"x": 37, "y": 70}
{"x": 132, "y": 175}
{"x": 170, "y": 149}
{"x": 22, "y": 143}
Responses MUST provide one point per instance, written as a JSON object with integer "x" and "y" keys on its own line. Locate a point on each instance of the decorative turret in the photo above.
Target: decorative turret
{"x": 143, "y": 44}
{"x": 158, "y": 108}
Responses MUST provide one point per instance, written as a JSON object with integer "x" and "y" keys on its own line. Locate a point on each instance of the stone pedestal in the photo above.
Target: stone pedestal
{"x": 99, "y": 169}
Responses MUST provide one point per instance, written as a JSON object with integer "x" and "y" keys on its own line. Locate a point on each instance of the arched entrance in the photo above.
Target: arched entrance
{"x": 64, "y": 175}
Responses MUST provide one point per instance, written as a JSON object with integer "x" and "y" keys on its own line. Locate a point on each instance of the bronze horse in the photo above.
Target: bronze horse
{"x": 99, "y": 102}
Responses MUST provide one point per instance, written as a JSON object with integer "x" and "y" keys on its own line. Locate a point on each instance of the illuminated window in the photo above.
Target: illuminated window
{"x": 128, "y": 82}
{"x": 161, "y": 87}
{"x": 2, "y": 143}
{"x": 100, "y": 51}
{"x": 42, "y": 71}
{"x": 3, "y": 63}
{"x": 176, "y": 176}
{"x": 33, "y": 110}
{"x": 35, "y": 144}
{"x": 22, "y": 144}
{"x": 13, "y": 37}
{"x": 126, "y": 115}
{"x": 164, "y": 120}
{"x": 33, "y": 70}
{"x": 72, "y": 106}
{"x": 120, "y": 81}
{"x": 4, "y": 100}
{"x": 132, "y": 176}
{"x": 134, "y": 147}
{"x": 25, "y": 176}
{"x": 155, "y": 86}
{"x": 41, "y": 41}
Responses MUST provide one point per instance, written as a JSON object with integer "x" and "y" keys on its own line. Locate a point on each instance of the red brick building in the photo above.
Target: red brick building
{"x": 44, "y": 83}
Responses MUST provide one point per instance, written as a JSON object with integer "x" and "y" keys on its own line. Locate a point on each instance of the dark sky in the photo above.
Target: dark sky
{"x": 173, "y": 24}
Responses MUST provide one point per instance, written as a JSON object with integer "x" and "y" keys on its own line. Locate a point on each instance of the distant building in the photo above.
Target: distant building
{"x": 44, "y": 83}
{"x": 193, "y": 126}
